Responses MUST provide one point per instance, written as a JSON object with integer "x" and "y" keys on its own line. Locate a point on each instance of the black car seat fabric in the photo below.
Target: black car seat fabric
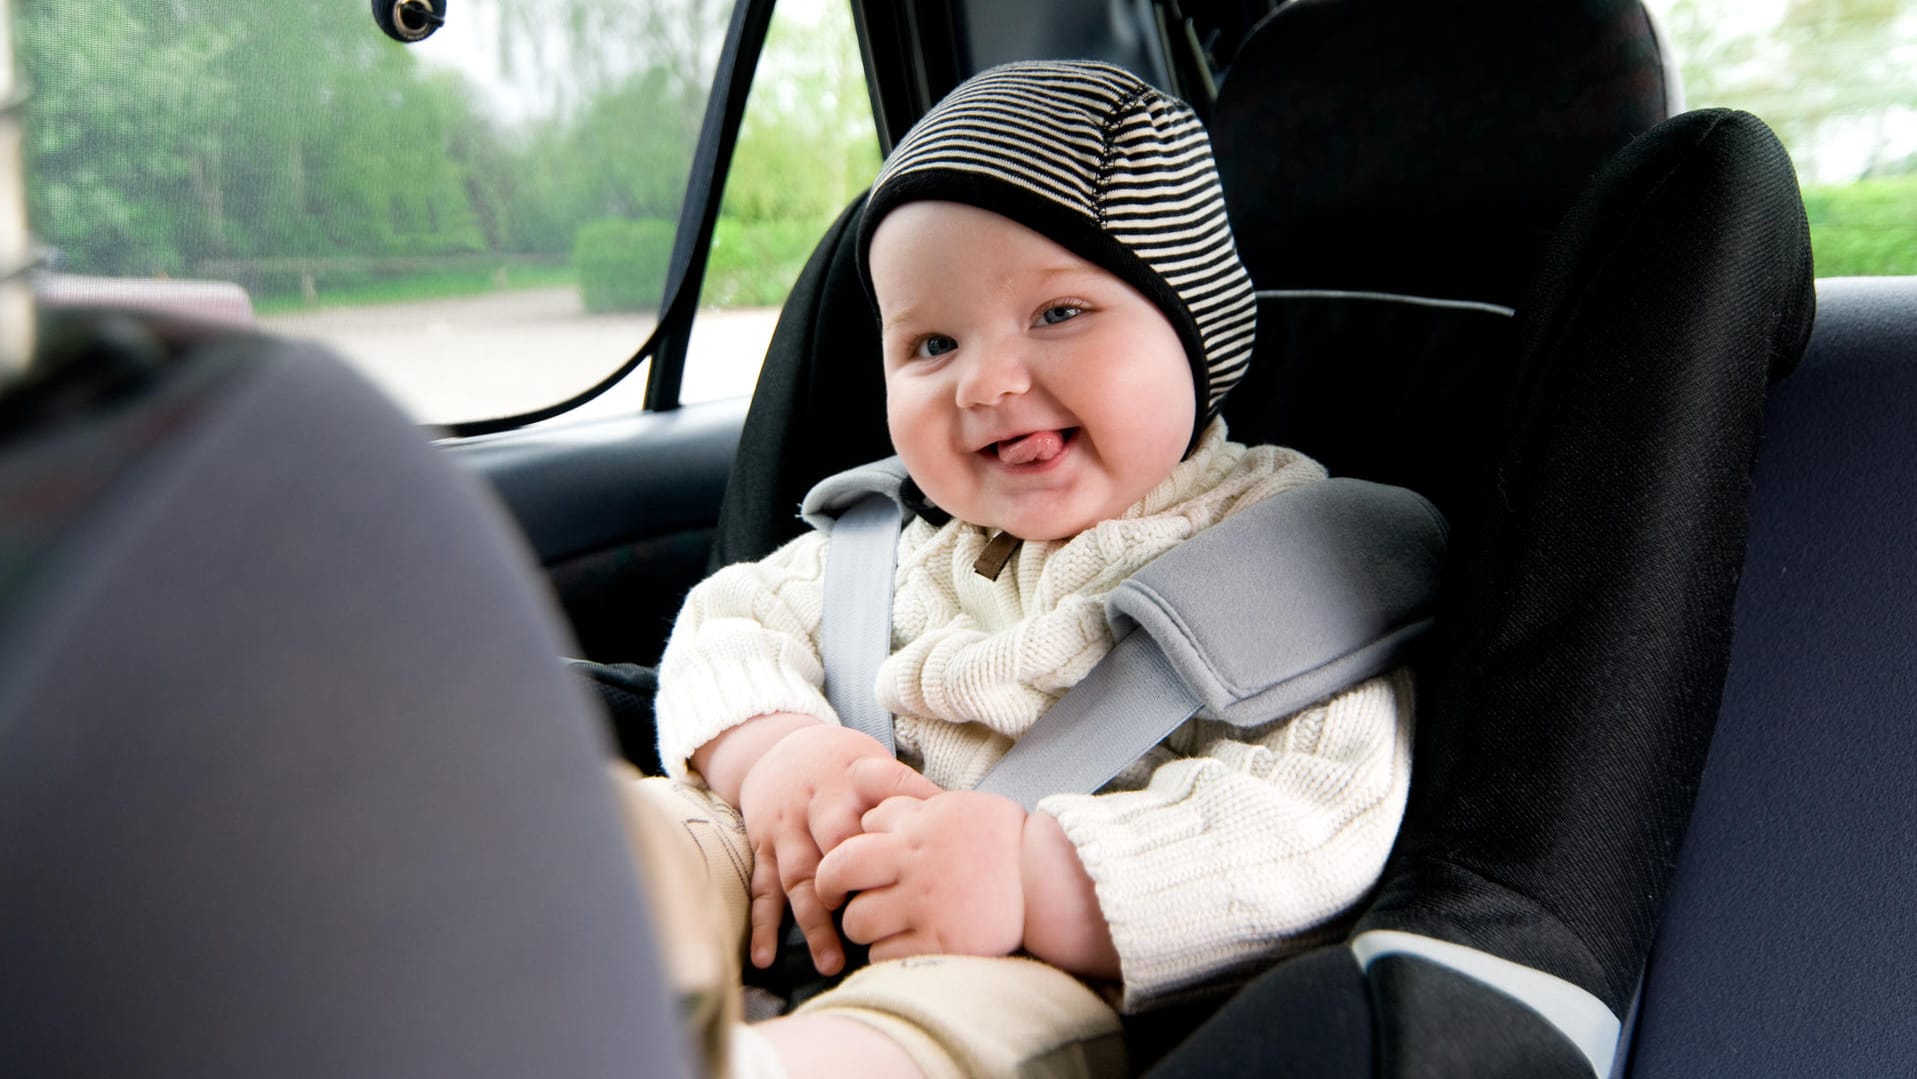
{"x": 1570, "y": 708}
{"x": 289, "y": 783}
{"x": 1393, "y": 169}
{"x": 1786, "y": 948}
{"x": 1432, "y": 331}
{"x": 1585, "y": 625}
{"x": 1354, "y": 120}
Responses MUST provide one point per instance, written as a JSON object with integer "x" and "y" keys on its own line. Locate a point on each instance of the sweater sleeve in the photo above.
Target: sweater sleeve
{"x": 745, "y": 643}
{"x": 1230, "y": 857}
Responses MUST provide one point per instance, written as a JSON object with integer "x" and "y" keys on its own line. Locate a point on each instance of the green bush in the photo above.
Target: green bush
{"x": 754, "y": 263}
{"x": 622, "y": 264}
{"x": 1864, "y": 228}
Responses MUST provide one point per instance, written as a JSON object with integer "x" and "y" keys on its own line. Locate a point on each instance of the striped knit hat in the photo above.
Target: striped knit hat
{"x": 1107, "y": 167}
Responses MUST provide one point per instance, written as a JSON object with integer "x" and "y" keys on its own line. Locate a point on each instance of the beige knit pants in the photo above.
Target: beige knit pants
{"x": 958, "y": 1017}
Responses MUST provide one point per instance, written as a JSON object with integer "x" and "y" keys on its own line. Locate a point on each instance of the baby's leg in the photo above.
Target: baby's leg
{"x": 953, "y": 1017}
{"x": 819, "y": 1047}
{"x": 695, "y": 864}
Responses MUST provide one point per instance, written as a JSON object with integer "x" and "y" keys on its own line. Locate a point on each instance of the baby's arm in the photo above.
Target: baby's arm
{"x": 1251, "y": 843}
{"x": 801, "y": 786}
{"x": 1063, "y": 924}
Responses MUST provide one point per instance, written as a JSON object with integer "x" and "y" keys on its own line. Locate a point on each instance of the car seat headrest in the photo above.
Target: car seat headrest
{"x": 1407, "y": 147}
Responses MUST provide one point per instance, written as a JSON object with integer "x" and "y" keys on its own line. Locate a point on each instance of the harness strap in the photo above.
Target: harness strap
{"x": 1284, "y": 604}
{"x": 857, "y": 631}
{"x": 1129, "y": 702}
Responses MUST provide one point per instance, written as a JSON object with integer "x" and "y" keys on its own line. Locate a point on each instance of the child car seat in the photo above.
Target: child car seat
{"x": 286, "y": 790}
{"x": 1594, "y": 465}
{"x": 1586, "y": 419}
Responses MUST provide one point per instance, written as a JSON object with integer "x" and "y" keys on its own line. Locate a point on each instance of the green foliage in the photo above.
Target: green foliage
{"x": 1869, "y": 227}
{"x": 1831, "y": 77}
{"x": 806, "y": 148}
{"x": 622, "y": 264}
{"x": 167, "y": 135}
{"x": 292, "y": 148}
{"x": 754, "y": 263}
{"x": 365, "y": 289}
{"x": 806, "y": 145}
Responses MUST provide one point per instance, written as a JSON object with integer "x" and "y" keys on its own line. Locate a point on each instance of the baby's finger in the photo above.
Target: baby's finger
{"x": 768, "y": 907}
{"x": 888, "y": 815}
{"x": 864, "y": 861}
{"x": 834, "y": 820}
{"x": 876, "y": 916}
{"x": 874, "y": 779}
{"x": 816, "y": 922}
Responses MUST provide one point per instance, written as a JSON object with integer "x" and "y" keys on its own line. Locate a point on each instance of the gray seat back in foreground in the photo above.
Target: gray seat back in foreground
{"x": 1789, "y": 945}
{"x": 290, "y": 784}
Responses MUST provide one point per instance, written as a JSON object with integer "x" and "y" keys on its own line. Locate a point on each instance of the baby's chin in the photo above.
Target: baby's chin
{"x": 1042, "y": 525}
{"x": 1043, "y": 512}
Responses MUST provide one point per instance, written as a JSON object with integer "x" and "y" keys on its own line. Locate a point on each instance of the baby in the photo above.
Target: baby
{"x": 1062, "y": 311}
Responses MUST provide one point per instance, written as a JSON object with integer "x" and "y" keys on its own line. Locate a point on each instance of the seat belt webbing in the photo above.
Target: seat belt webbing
{"x": 857, "y": 630}
{"x": 1139, "y": 699}
{"x": 1137, "y": 694}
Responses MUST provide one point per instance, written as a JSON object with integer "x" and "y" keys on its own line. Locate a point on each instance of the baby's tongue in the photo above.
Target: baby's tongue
{"x": 1037, "y": 446}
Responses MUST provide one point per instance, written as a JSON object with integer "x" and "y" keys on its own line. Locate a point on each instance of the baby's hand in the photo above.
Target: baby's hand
{"x": 800, "y": 800}
{"x": 934, "y": 876}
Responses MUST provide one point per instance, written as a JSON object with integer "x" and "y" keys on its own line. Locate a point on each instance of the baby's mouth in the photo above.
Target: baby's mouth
{"x": 1034, "y": 448}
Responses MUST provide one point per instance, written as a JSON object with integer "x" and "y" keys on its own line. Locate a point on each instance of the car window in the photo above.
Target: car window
{"x": 807, "y": 146}
{"x": 1837, "y": 81}
{"x": 480, "y": 221}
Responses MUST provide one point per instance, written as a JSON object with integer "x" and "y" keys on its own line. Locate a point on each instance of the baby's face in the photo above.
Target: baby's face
{"x": 1026, "y": 388}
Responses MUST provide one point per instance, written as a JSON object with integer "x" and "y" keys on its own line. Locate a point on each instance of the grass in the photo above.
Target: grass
{"x": 1864, "y": 228}
{"x": 429, "y": 285}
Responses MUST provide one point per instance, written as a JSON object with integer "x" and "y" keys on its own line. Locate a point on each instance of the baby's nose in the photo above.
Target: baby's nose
{"x": 991, "y": 374}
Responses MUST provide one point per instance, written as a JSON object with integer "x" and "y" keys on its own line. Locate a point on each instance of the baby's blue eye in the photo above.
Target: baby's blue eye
{"x": 936, "y": 344}
{"x": 1060, "y": 313}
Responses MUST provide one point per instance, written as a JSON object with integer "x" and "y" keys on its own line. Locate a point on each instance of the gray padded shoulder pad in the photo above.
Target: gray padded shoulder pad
{"x": 835, "y": 494}
{"x": 1293, "y": 599}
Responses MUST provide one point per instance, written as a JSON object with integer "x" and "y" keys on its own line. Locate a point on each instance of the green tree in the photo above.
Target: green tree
{"x": 1823, "y": 69}
{"x": 169, "y": 133}
{"x": 111, "y": 170}
{"x": 807, "y": 143}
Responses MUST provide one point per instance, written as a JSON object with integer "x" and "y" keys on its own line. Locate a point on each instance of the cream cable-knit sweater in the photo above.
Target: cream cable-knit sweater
{"x": 1221, "y": 849}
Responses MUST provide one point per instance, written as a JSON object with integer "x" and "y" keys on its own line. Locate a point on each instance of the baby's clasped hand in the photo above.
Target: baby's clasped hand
{"x": 937, "y": 875}
{"x": 802, "y": 798}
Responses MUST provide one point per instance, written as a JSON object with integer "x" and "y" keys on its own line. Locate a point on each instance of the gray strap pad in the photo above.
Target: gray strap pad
{"x": 1286, "y": 603}
{"x": 828, "y": 499}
